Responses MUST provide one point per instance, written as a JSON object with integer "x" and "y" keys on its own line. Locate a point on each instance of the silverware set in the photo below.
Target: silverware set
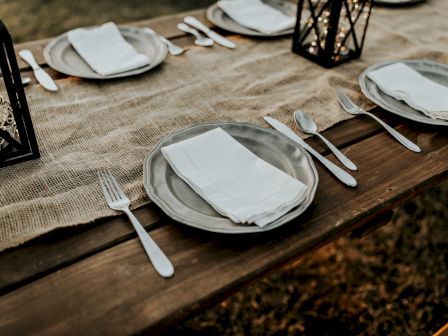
{"x": 193, "y": 26}
{"x": 307, "y": 125}
{"x": 199, "y": 39}
{"x": 340, "y": 174}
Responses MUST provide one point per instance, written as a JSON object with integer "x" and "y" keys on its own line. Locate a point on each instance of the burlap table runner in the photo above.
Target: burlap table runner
{"x": 88, "y": 126}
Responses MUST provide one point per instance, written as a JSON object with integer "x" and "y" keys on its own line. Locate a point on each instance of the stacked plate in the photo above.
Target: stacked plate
{"x": 60, "y": 55}
{"x": 217, "y": 16}
{"x": 183, "y": 204}
{"x": 434, "y": 71}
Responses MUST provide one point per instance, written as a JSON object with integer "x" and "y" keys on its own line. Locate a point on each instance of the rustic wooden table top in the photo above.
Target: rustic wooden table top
{"x": 95, "y": 279}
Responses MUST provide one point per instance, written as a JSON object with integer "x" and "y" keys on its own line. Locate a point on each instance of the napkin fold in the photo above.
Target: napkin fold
{"x": 233, "y": 180}
{"x": 256, "y": 15}
{"x": 105, "y": 50}
{"x": 401, "y": 82}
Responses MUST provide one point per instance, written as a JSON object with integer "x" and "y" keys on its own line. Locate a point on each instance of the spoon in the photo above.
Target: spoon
{"x": 200, "y": 40}
{"x": 307, "y": 125}
{"x": 173, "y": 49}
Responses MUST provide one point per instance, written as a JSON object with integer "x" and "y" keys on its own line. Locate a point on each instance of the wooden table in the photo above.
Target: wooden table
{"x": 96, "y": 280}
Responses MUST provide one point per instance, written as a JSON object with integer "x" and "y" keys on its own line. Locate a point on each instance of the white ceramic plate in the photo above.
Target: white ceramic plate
{"x": 434, "y": 71}
{"x": 181, "y": 203}
{"x": 60, "y": 55}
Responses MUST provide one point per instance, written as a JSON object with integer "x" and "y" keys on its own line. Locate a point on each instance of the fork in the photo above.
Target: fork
{"x": 349, "y": 106}
{"x": 173, "y": 49}
{"x": 117, "y": 200}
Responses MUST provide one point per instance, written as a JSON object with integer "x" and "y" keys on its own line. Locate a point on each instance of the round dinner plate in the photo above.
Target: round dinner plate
{"x": 220, "y": 19}
{"x": 181, "y": 203}
{"x": 436, "y": 72}
{"x": 61, "y": 56}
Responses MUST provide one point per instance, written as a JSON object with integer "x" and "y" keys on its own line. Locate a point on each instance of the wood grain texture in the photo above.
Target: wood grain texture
{"x": 118, "y": 292}
{"x": 96, "y": 279}
{"x": 61, "y": 248}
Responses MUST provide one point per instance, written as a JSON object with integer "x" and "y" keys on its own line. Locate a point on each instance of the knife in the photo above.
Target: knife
{"x": 342, "y": 175}
{"x": 192, "y": 21}
{"x": 42, "y": 77}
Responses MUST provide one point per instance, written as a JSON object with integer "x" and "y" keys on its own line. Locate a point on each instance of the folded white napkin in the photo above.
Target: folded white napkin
{"x": 404, "y": 83}
{"x": 105, "y": 49}
{"x": 232, "y": 179}
{"x": 256, "y": 15}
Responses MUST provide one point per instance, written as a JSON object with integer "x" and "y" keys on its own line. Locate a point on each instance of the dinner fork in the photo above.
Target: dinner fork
{"x": 349, "y": 106}
{"x": 117, "y": 200}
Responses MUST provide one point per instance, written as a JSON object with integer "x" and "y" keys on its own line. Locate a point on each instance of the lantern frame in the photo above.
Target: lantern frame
{"x": 25, "y": 147}
{"x": 326, "y": 51}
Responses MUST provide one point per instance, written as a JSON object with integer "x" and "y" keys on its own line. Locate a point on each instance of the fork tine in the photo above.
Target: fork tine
{"x": 117, "y": 186}
{"x": 350, "y": 102}
{"x": 339, "y": 96}
{"x": 345, "y": 100}
{"x": 110, "y": 186}
{"x": 105, "y": 191}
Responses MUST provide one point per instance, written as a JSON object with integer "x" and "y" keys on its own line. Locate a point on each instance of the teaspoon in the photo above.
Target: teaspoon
{"x": 307, "y": 125}
{"x": 200, "y": 40}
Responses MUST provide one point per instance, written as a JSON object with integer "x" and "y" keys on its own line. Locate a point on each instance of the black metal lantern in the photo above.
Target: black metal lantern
{"x": 17, "y": 139}
{"x": 330, "y": 32}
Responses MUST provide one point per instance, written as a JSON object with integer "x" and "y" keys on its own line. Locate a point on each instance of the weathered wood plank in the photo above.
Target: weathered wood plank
{"x": 119, "y": 292}
{"x": 68, "y": 245}
{"x": 61, "y": 248}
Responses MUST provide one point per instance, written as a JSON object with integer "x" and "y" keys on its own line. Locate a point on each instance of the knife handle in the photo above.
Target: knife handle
{"x": 192, "y": 21}
{"x": 341, "y": 174}
{"x": 28, "y": 57}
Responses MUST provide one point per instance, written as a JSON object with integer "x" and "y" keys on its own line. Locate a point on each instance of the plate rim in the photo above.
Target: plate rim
{"x": 363, "y": 80}
{"x": 253, "y": 33}
{"x": 397, "y": 3}
{"x": 162, "y": 204}
{"x": 123, "y": 29}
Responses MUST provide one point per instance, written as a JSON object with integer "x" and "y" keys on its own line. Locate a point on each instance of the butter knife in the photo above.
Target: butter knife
{"x": 342, "y": 175}
{"x": 192, "y": 21}
{"x": 42, "y": 77}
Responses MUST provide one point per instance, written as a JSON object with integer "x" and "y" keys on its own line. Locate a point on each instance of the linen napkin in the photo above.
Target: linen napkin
{"x": 256, "y": 15}
{"x": 105, "y": 50}
{"x": 232, "y": 179}
{"x": 404, "y": 83}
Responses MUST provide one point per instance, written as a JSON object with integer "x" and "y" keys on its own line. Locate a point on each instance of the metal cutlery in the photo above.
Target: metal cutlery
{"x": 173, "y": 49}
{"x": 42, "y": 77}
{"x": 307, "y": 125}
{"x": 117, "y": 200}
{"x": 25, "y": 80}
{"x": 192, "y": 21}
{"x": 349, "y": 106}
{"x": 342, "y": 175}
{"x": 200, "y": 40}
